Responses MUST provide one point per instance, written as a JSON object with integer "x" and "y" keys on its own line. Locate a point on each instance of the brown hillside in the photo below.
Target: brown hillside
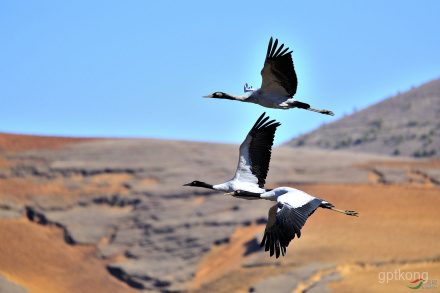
{"x": 404, "y": 125}
{"x": 16, "y": 142}
{"x": 113, "y": 213}
{"x": 39, "y": 260}
{"x": 396, "y": 229}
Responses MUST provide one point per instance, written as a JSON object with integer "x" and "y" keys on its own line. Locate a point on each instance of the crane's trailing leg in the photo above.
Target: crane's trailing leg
{"x": 323, "y": 111}
{"x": 347, "y": 212}
{"x": 248, "y": 88}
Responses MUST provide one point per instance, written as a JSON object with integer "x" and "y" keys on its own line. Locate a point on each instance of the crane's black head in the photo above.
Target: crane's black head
{"x": 217, "y": 95}
{"x": 199, "y": 184}
{"x": 194, "y": 183}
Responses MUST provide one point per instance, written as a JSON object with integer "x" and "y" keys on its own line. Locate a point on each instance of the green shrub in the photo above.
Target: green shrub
{"x": 301, "y": 142}
{"x": 420, "y": 153}
{"x": 344, "y": 143}
{"x": 377, "y": 124}
{"x": 412, "y": 123}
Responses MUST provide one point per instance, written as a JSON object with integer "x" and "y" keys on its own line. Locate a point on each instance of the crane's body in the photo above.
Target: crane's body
{"x": 268, "y": 100}
{"x": 288, "y": 216}
{"x": 279, "y": 83}
{"x": 237, "y": 184}
{"x": 253, "y": 162}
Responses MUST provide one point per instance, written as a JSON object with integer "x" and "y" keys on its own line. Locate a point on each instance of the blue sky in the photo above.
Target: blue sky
{"x": 140, "y": 68}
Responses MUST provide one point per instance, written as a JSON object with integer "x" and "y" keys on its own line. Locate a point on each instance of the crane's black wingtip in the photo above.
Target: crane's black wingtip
{"x": 269, "y": 47}
{"x": 260, "y": 121}
{"x": 273, "y": 53}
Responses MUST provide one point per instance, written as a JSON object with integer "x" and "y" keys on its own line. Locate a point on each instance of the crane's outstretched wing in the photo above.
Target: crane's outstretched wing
{"x": 285, "y": 221}
{"x": 278, "y": 73}
{"x": 255, "y": 152}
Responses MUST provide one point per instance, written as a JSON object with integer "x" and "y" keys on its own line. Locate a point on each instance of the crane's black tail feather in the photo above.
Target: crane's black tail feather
{"x": 301, "y": 105}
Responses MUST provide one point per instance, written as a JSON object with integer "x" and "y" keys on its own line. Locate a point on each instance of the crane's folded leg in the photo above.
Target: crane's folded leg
{"x": 346, "y": 212}
{"x": 327, "y": 205}
{"x": 298, "y": 104}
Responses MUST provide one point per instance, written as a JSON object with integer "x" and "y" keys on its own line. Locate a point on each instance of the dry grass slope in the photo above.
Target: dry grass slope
{"x": 404, "y": 125}
{"x": 69, "y": 214}
{"x": 397, "y": 229}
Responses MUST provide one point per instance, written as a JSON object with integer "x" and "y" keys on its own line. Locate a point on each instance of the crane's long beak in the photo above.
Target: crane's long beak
{"x": 208, "y": 96}
{"x": 188, "y": 184}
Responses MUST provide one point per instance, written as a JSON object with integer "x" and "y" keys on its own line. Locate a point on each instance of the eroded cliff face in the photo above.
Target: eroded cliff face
{"x": 118, "y": 206}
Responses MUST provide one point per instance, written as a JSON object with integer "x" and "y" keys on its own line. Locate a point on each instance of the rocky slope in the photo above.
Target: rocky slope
{"x": 404, "y": 125}
{"x": 123, "y": 200}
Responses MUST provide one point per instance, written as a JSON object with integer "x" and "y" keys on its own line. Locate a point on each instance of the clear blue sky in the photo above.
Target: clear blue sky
{"x": 140, "y": 68}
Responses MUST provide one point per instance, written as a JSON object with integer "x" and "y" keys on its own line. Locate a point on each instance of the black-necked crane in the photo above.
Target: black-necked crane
{"x": 253, "y": 162}
{"x": 279, "y": 83}
{"x": 288, "y": 216}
